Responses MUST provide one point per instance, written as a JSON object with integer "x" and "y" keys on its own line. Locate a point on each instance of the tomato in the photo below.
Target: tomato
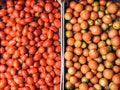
{"x": 93, "y": 64}
{"x": 32, "y": 50}
{"x": 55, "y": 4}
{"x": 94, "y": 16}
{"x": 37, "y": 57}
{"x": 83, "y": 86}
{"x": 50, "y": 62}
{"x": 50, "y": 34}
{"x": 44, "y": 17}
{"x": 48, "y": 7}
{"x": 57, "y": 71}
{"x": 86, "y": 36}
{"x": 3, "y": 83}
{"x": 48, "y": 78}
{"x": 116, "y": 25}
{"x": 108, "y": 74}
{"x": 2, "y": 25}
{"x": 115, "y": 41}
{"x": 73, "y": 79}
{"x": 72, "y": 4}
{"x": 51, "y": 17}
{"x": 41, "y": 81}
{"x": 3, "y": 12}
{"x": 89, "y": 8}
{"x": 68, "y": 16}
{"x": 110, "y": 55}
{"x": 57, "y": 15}
{"x": 47, "y": 43}
{"x": 116, "y": 78}
{"x": 29, "y": 80}
{"x": 2, "y": 68}
{"x": 78, "y": 7}
{"x": 18, "y": 80}
{"x": 113, "y": 86}
{"x": 76, "y": 27}
{"x": 57, "y": 87}
{"x": 85, "y": 14}
{"x": 68, "y": 55}
{"x": 56, "y": 80}
{"x": 107, "y": 19}
{"x": 57, "y": 23}
{"x": 37, "y": 8}
{"x": 95, "y": 30}
{"x": 112, "y": 8}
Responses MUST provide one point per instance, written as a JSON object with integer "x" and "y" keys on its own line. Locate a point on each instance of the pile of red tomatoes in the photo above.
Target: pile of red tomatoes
{"x": 29, "y": 45}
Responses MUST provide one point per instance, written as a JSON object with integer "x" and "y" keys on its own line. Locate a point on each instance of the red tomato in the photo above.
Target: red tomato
{"x": 48, "y": 7}
{"x": 57, "y": 23}
{"x": 44, "y": 17}
{"x": 47, "y": 43}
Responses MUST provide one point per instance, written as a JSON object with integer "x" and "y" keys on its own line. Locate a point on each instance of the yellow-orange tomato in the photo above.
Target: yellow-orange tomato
{"x": 68, "y": 16}
{"x": 113, "y": 86}
{"x": 86, "y": 36}
{"x": 72, "y": 4}
{"x": 93, "y": 64}
{"x": 108, "y": 74}
{"x": 78, "y": 36}
{"x": 78, "y": 7}
{"x": 78, "y": 51}
{"x": 93, "y": 53}
{"x": 94, "y": 80}
{"x": 103, "y": 82}
{"x": 112, "y": 33}
{"x": 95, "y": 30}
{"x": 110, "y": 57}
{"x": 112, "y": 8}
{"x": 115, "y": 41}
{"x": 73, "y": 79}
{"x": 83, "y": 86}
{"x": 70, "y": 41}
{"x": 94, "y": 15}
{"x": 85, "y": 14}
{"x": 84, "y": 25}
{"x": 68, "y": 64}
{"x": 89, "y": 75}
{"x": 72, "y": 70}
{"x": 76, "y": 27}
{"x": 118, "y": 52}
{"x": 84, "y": 69}
{"x": 116, "y": 79}
{"x": 107, "y": 19}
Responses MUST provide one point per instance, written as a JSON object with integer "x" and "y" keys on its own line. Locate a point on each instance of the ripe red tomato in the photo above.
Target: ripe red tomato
{"x": 48, "y": 7}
